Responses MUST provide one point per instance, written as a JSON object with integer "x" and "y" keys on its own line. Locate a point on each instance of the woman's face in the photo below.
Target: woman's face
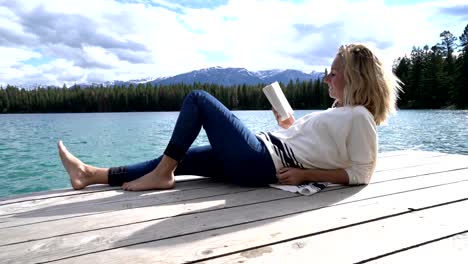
{"x": 335, "y": 79}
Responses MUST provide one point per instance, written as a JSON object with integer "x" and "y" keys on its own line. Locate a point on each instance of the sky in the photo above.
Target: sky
{"x": 56, "y": 42}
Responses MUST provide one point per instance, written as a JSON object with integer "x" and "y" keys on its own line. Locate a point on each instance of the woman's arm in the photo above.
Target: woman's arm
{"x": 295, "y": 176}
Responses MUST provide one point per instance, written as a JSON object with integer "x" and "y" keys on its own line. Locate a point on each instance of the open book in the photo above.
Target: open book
{"x": 277, "y": 99}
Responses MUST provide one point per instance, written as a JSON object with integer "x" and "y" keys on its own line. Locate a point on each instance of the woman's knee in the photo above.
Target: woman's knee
{"x": 201, "y": 98}
{"x": 198, "y": 94}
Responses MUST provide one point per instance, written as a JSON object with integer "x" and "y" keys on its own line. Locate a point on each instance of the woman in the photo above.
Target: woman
{"x": 338, "y": 145}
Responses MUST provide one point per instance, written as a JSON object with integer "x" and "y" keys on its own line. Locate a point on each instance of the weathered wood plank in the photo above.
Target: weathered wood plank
{"x": 114, "y": 204}
{"x": 392, "y": 163}
{"x": 437, "y": 164}
{"x": 113, "y": 195}
{"x": 357, "y": 243}
{"x": 82, "y": 243}
{"x": 70, "y": 192}
{"x": 228, "y": 196}
{"x": 452, "y": 249}
{"x": 406, "y": 152}
{"x": 218, "y": 242}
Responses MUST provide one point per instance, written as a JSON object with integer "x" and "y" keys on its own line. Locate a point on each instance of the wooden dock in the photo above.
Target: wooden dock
{"x": 414, "y": 211}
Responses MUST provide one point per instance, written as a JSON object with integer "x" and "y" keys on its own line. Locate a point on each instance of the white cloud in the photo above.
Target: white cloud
{"x": 11, "y": 56}
{"x": 93, "y": 40}
{"x": 100, "y": 55}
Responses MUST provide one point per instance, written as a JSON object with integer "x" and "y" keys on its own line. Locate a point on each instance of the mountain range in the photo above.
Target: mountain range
{"x": 225, "y": 77}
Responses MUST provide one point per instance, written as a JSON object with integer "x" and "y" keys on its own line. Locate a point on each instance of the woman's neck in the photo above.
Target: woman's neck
{"x": 337, "y": 103}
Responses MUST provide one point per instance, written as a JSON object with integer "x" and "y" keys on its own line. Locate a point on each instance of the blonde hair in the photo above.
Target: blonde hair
{"x": 368, "y": 83}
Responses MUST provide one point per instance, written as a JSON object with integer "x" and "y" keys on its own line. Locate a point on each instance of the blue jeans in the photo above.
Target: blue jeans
{"x": 234, "y": 154}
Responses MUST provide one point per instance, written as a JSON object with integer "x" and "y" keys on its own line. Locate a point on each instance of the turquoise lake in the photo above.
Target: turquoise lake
{"x": 29, "y": 160}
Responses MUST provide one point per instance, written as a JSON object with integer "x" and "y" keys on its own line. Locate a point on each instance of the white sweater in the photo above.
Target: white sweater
{"x": 337, "y": 138}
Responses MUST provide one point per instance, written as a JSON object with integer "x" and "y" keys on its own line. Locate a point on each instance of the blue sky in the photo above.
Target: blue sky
{"x": 57, "y": 42}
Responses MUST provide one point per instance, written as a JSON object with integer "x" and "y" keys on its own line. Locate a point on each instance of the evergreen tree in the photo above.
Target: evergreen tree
{"x": 416, "y": 81}
{"x": 4, "y": 103}
{"x": 435, "y": 95}
{"x": 448, "y": 45}
{"x": 461, "y": 86}
{"x": 402, "y": 71}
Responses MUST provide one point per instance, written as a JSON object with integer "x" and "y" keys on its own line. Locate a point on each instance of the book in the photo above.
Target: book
{"x": 278, "y": 100}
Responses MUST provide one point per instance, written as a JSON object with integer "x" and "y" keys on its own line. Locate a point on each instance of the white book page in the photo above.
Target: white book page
{"x": 278, "y": 100}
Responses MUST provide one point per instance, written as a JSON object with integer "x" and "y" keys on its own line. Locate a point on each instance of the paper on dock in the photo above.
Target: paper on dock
{"x": 304, "y": 189}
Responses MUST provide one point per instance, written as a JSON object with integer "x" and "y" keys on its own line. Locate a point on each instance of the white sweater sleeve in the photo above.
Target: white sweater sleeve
{"x": 362, "y": 148}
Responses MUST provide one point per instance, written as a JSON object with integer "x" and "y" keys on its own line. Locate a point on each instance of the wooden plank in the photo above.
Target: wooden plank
{"x": 394, "y": 153}
{"x": 113, "y": 195}
{"x": 70, "y": 192}
{"x": 217, "y": 242}
{"x": 439, "y": 164}
{"x": 392, "y": 163}
{"x": 229, "y": 197}
{"x": 54, "y": 193}
{"x": 129, "y": 200}
{"x": 121, "y": 236}
{"x": 451, "y": 249}
{"x": 406, "y": 152}
{"x": 373, "y": 238}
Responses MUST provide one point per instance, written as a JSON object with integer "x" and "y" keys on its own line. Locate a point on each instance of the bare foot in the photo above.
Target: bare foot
{"x": 74, "y": 166}
{"x": 151, "y": 181}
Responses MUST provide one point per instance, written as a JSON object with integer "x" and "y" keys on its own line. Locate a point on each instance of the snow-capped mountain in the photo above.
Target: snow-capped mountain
{"x": 238, "y": 76}
{"x": 216, "y": 75}
{"x": 119, "y": 82}
{"x": 287, "y": 75}
{"x": 147, "y": 79}
{"x": 267, "y": 73}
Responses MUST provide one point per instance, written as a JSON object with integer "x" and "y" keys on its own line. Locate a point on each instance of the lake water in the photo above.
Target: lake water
{"x": 29, "y": 160}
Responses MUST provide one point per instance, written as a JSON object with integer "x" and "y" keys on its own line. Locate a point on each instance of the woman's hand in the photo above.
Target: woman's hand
{"x": 291, "y": 176}
{"x": 285, "y": 123}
